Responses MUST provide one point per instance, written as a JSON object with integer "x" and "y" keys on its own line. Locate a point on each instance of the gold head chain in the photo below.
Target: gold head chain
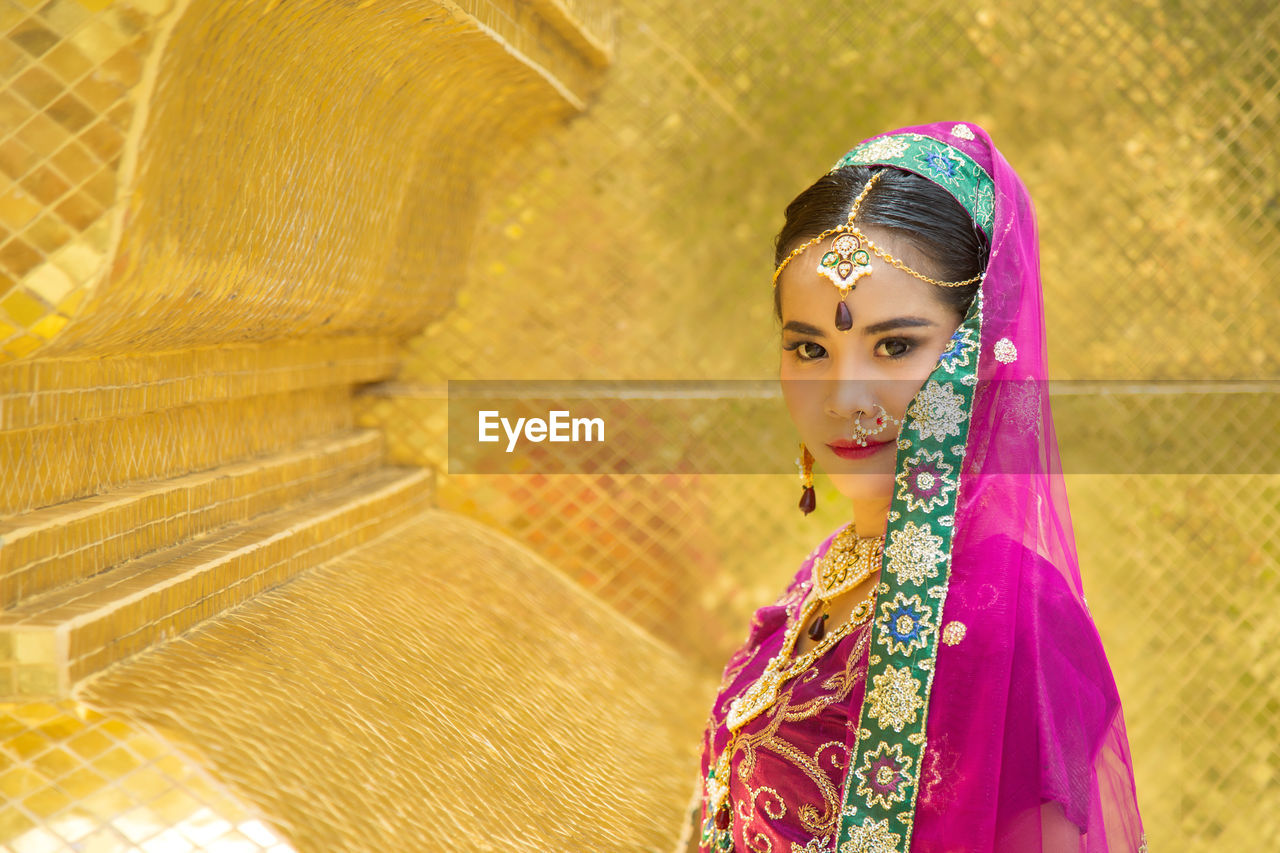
{"x": 849, "y": 259}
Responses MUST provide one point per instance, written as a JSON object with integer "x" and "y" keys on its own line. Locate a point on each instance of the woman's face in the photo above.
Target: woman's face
{"x": 900, "y": 328}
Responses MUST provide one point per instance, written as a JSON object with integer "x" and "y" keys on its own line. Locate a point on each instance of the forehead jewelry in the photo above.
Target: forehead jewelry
{"x": 849, "y": 259}
{"x": 883, "y": 419}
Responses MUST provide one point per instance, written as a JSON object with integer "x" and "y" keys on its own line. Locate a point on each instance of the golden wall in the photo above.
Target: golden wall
{"x": 227, "y": 619}
{"x": 243, "y": 246}
{"x": 1145, "y": 132}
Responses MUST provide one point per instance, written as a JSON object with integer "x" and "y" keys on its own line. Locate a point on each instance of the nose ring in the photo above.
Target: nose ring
{"x": 883, "y": 419}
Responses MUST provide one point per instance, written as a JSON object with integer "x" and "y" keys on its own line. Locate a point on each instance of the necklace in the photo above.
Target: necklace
{"x": 848, "y": 562}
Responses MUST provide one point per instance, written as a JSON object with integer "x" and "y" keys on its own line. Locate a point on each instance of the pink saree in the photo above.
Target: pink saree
{"x": 976, "y": 710}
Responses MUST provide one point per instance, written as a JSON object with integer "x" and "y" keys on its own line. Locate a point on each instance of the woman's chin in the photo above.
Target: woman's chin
{"x": 873, "y": 486}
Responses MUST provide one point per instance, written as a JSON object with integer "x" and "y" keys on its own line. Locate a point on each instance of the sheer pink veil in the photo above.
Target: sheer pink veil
{"x": 1025, "y": 746}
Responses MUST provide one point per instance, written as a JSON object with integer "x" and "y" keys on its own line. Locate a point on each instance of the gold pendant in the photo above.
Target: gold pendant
{"x": 758, "y": 697}
{"x": 848, "y": 562}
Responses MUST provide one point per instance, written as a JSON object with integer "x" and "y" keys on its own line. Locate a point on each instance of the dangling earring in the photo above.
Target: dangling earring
{"x": 808, "y": 500}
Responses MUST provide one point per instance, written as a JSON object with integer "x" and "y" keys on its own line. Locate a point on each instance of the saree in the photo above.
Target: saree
{"x": 975, "y": 710}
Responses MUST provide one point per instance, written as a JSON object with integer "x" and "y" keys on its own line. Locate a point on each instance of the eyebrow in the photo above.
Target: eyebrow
{"x": 873, "y": 329}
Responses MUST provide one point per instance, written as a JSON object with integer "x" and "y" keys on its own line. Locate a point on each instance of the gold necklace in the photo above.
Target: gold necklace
{"x": 848, "y": 562}
{"x": 761, "y": 695}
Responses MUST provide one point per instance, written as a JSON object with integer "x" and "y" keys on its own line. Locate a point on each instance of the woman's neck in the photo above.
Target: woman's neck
{"x": 870, "y": 517}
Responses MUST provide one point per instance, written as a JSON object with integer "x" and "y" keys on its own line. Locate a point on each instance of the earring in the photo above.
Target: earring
{"x": 808, "y": 500}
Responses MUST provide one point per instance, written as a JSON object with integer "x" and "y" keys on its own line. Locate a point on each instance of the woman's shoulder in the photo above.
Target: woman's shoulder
{"x": 1011, "y": 595}
{"x": 1001, "y": 557}
{"x": 1062, "y": 693}
{"x": 1049, "y": 621}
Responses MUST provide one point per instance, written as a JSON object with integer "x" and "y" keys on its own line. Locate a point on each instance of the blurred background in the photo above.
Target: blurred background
{"x": 244, "y": 246}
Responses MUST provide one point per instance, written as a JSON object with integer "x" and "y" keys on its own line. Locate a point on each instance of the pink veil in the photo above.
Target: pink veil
{"x": 1012, "y": 739}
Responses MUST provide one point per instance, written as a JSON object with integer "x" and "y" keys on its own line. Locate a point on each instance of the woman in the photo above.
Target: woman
{"x": 931, "y": 679}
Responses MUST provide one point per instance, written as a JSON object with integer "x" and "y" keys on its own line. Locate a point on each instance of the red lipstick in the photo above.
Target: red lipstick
{"x": 846, "y": 449}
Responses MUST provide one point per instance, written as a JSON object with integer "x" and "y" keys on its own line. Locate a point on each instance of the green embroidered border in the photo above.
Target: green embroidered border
{"x": 946, "y": 166}
{"x": 883, "y": 774}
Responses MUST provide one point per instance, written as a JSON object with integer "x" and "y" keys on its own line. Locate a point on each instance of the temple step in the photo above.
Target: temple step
{"x": 63, "y": 544}
{"x": 53, "y": 640}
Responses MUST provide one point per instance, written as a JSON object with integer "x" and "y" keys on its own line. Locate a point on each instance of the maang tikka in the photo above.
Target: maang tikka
{"x": 849, "y": 259}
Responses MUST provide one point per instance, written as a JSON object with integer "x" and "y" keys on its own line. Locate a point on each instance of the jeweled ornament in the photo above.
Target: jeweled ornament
{"x": 844, "y": 317}
{"x": 844, "y": 264}
{"x": 849, "y": 259}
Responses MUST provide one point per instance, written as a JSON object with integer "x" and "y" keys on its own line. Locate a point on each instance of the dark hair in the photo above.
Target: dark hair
{"x": 923, "y": 213}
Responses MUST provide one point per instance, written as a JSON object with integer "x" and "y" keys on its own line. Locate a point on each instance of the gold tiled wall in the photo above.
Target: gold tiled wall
{"x": 216, "y": 218}
{"x": 71, "y": 74}
{"x": 295, "y": 162}
{"x": 636, "y": 243}
{"x": 455, "y": 705}
{"x": 78, "y": 426}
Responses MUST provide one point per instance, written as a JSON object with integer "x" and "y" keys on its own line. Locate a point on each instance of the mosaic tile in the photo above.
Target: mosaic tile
{"x": 70, "y": 103}
{"x": 387, "y": 684}
{"x": 76, "y": 630}
{"x": 57, "y": 798}
{"x": 59, "y": 545}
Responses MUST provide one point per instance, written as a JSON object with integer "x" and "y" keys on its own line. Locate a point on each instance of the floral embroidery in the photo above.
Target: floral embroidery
{"x": 873, "y": 836}
{"x": 815, "y": 845}
{"x": 1006, "y": 352}
{"x": 983, "y": 203}
{"x": 884, "y": 775}
{"x": 936, "y": 160}
{"x": 885, "y": 148}
{"x": 914, "y": 553}
{"x": 953, "y": 632}
{"x": 962, "y": 131}
{"x": 925, "y": 481}
{"x": 942, "y": 166}
{"x": 958, "y": 350}
{"x": 1023, "y": 405}
{"x": 904, "y": 624}
{"x": 937, "y": 410}
{"x": 895, "y": 698}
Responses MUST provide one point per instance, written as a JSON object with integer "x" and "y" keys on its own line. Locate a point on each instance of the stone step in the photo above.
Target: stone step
{"x": 49, "y": 643}
{"x": 59, "y": 545}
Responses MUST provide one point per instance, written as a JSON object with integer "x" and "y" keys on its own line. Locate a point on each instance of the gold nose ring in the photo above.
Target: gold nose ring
{"x": 883, "y": 419}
